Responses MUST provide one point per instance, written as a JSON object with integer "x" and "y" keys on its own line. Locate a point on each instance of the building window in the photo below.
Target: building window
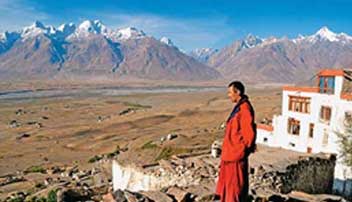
{"x": 293, "y": 126}
{"x": 292, "y": 144}
{"x": 309, "y": 150}
{"x": 311, "y": 130}
{"x": 299, "y": 104}
{"x": 265, "y": 139}
{"x": 327, "y": 84}
{"x": 325, "y": 114}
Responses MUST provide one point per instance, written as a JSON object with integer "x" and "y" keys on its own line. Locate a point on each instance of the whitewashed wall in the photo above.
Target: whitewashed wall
{"x": 280, "y": 137}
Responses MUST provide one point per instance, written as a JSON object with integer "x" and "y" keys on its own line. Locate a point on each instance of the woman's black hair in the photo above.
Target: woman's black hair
{"x": 239, "y": 86}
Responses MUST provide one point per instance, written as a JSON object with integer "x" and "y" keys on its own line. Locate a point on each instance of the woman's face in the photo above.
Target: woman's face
{"x": 233, "y": 94}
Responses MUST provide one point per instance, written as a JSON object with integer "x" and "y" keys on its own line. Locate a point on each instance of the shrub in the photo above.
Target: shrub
{"x": 35, "y": 169}
{"x": 52, "y": 196}
{"x": 40, "y": 186}
{"x": 167, "y": 152}
{"x": 149, "y": 145}
{"x": 95, "y": 159}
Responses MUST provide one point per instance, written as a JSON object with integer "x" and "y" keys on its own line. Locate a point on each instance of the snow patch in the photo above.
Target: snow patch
{"x": 37, "y": 28}
{"x": 167, "y": 41}
{"x": 89, "y": 27}
{"x": 129, "y": 33}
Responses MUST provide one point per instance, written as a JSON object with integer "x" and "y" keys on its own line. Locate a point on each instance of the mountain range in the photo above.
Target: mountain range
{"x": 281, "y": 60}
{"x": 92, "y": 50}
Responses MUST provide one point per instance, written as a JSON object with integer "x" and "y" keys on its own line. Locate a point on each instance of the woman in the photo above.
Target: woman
{"x": 239, "y": 142}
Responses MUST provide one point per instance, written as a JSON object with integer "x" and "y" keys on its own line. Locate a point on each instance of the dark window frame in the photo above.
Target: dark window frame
{"x": 311, "y": 130}
{"x": 299, "y": 104}
{"x": 293, "y": 126}
{"x": 325, "y": 113}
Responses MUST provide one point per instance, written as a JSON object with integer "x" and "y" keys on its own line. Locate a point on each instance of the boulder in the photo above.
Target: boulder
{"x": 171, "y": 136}
{"x": 157, "y": 196}
{"x": 179, "y": 194}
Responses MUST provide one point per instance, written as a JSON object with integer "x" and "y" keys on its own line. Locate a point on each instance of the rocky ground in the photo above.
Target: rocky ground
{"x": 62, "y": 146}
{"x": 273, "y": 173}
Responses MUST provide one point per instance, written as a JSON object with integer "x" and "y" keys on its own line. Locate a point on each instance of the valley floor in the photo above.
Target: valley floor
{"x": 75, "y": 127}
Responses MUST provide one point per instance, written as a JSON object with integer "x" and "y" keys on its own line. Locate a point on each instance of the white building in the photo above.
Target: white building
{"x": 311, "y": 118}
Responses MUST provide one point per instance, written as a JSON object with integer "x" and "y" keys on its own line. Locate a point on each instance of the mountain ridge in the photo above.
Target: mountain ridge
{"x": 92, "y": 49}
{"x": 283, "y": 60}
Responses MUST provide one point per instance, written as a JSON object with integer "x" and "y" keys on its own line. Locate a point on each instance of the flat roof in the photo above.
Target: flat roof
{"x": 331, "y": 72}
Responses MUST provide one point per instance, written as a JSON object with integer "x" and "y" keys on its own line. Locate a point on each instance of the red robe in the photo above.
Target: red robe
{"x": 232, "y": 185}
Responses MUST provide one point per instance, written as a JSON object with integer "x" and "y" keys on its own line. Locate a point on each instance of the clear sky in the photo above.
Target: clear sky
{"x": 189, "y": 23}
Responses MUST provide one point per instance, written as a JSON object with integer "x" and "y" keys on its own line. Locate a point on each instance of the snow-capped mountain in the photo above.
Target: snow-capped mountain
{"x": 203, "y": 54}
{"x": 167, "y": 41}
{"x": 96, "y": 27}
{"x": 66, "y": 29}
{"x": 37, "y": 28}
{"x": 127, "y": 33}
{"x": 7, "y": 39}
{"x": 89, "y": 27}
{"x": 86, "y": 29}
{"x": 9, "y": 36}
{"x": 92, "y": 49}
{"x": 283, "y": 59}
{"x": 324, "y": 34}
{"x": 252, "y": 41}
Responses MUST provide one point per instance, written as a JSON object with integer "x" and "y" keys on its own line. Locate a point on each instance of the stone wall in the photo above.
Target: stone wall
{"x": 313, "y": 174}
{"x": 164, "y": 174}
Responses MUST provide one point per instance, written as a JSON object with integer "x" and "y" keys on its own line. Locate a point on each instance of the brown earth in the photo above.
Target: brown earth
{"x": 75, "y": 129}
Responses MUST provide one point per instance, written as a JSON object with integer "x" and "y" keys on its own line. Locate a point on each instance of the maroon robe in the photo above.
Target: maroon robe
{"x": 239, "y": 141}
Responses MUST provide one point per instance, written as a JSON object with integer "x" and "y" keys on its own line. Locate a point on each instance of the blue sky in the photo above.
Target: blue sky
{"x": 189, "y": 23}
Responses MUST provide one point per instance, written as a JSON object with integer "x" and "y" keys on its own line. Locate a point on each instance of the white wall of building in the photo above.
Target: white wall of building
{"x": 281, "y": 138}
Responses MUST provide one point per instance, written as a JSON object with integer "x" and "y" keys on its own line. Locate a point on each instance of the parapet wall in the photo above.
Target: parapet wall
{"x": 310, "y": 174}
{"x": 313, "y": 174}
